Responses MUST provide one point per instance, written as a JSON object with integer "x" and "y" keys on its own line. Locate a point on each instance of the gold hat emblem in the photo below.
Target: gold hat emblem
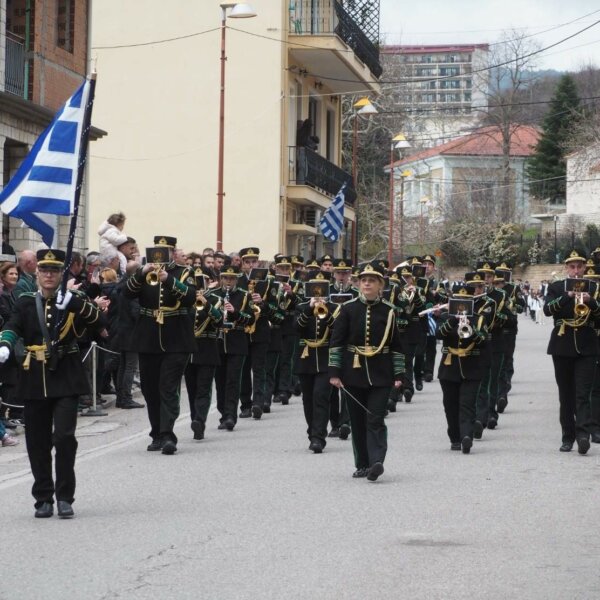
{"x": 49, "y": 255}
{"x": 590, "y": 272}
{"x": 574, "y": 254}
{"x": 486, "y": 266}
{"x": 342, "y": 263}
{"x": 369, "y": 269}
{"x": 503, "y": 265}
{"x": 462, "y": 292}
{"x": 162, "y": 241}
{"x": 319, "y": 276}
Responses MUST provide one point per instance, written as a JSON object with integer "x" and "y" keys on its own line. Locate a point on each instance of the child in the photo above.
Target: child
{"x": 111, "y": 235}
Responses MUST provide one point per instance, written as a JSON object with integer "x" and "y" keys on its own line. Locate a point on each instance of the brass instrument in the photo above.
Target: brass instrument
{"x": 255, "y": 308}
{"x": 464, "y": 327}
{"x": 320, "y": 310}
{"x": 152, "y": 277}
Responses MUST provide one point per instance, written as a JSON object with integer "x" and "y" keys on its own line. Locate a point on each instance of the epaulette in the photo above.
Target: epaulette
{"x": 28, "y": 295}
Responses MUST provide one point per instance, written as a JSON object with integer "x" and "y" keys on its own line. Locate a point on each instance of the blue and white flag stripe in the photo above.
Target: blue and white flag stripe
{"x": 332, "y": 221}
{"x": 46, "y": 180}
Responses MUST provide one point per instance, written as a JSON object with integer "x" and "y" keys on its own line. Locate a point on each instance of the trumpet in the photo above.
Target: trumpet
{"x": 320, "y": 310}
{"x": 433, "y": 309}
{"x": 581, "y": 309}
{"x": 152, "y": 278}
{"x": 464, "y": 327}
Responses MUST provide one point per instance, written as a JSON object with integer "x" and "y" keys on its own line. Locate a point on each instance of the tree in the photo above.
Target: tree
{"x": 547, "y": 167}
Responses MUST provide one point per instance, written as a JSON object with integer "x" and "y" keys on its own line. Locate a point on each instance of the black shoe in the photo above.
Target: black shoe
{"x": 375, "y": 471}
{"x": 583, "y": 445}
{"x": 408, "y": 394}
{"x": 466, "y": 444}
{"x": 245, "y": 413}
{"x": 419, "y": 385}
{"x": 316, "y": 446}
{"x": 566, "y": 447}
{"x": 361, "y": 472}
{"x": 297, "y": 390}
{"x": 335, "y": 432}
{"x": 44, "y": 510}
{"x": 276, "y": 398}
{"x": 428, "y": 377}
{"x": 285, "y": 400}
{"x": 492, "y": 423}
{"x": 9, "y": 424}
{"x": 130, "y": 404}
{"x": 222, "y": 426}
{"x": 108, "y": 390}
{"x": 455, "y": 446}
{"x": 391, "y": 405}
{"x": 65, "y": 510}
{"x": 477, "y": 430}
{"x": 154, "y": 446}
{"x": 344, "y": 432}
{"x": 169, "y": 447}
{"x": 502, "y": 404}
{"x": 266, "y": 409}
{"x": 229, "y": 424}
{"x": 257, "y": 412}
{"x": 198, "y": 429}
{"x": 596, "y": 437}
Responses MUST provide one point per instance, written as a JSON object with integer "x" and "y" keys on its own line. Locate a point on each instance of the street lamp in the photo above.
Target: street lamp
{"x": 403, "y": 176}
{"x": 238, "y": 10}
{"x": 424, "y": 201}
{"x": 399, "y": 142}
{"x": 362, "y": 107}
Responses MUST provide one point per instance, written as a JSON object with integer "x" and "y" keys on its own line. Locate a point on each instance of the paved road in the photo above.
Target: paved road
{"x": 253, "y": 515}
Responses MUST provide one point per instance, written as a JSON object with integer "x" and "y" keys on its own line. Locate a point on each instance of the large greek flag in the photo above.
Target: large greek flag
{"x": 332, "y": 221}
{"x": 46, "y": 181}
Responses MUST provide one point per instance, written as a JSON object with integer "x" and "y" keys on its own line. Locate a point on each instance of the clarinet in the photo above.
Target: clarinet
{"x": 226, "y": 324}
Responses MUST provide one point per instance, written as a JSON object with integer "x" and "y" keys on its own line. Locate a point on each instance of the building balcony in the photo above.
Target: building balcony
{"x": 14, "y": 76}
{"x": 332, "y": 45}
{"x": 309, "y": 168}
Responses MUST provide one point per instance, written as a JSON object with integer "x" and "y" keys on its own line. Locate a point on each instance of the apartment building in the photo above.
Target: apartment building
{"x": 43, "y": 59}
{"x": 158, "y": 95}
{"x": 442, "y": 88}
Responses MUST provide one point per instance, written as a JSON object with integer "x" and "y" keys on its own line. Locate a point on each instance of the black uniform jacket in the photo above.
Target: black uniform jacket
{"x": 164, "y": 324}
{"x": 261, "y": 328}
{"x": 571, "y": 336}
{"x": 365, "y": 327}
{"x": 315, "y": 334}
{"x": 412, "y": 304}
{"x": 466, "y": 358}
{"x": 207, "y": 318}
{"x": 515, "y": 304}
{"x": 235, "y": 339}
{"x": 498, "y": 320}
{"x": 37, "y": 381}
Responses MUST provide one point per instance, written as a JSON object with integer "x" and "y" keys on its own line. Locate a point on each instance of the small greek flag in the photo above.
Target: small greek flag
{"x": 46, "y": 181}
{"x": 332, "y": 221}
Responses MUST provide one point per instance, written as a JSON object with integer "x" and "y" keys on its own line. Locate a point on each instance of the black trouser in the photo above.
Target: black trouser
{"x": 409, "y": 360}
{"x": 125, "y": 376}
{"x": 315, "y": 400}
{"x": 160, "y": 379}
{"x": 271, "y": 371}
{"x": 228, "y": 376}
{"x": 460, "y": 399}
{"x": 430, "y": 351}
{"x": 575, "y": 378}
{"x": 507, "y": 371}
{"x": 369, "y": 432}
{"x": 487, "y": 398}
{"x": 51, "y": 423}
{"x": 198, "y": 382}
{"x": 254, "y": 376}
{"x": 595, "y": 401}
{"x": 285, "y": 384}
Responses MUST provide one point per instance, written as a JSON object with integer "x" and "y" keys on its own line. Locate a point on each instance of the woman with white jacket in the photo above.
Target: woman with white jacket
{"x": 112, "y": 236}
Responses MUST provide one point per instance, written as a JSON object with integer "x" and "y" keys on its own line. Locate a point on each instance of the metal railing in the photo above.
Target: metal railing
{"x": 14, "y": 77}
{"x": 307, "y": 167}
{"x": 318, "y": 17}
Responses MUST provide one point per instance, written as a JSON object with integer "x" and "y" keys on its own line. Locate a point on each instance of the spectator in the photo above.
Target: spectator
{"x": 112, "y": 236}
{"x": 194, "y": 260}
{"x": 130, "y": 251}
{"x": 76, "y": 269}
{"x": 220, "y": 260}
{"x": 27, "y": 268}
{"x": 7, "y": 440}
{"x": 179, "y": 257}
{"x": 235, "y": 259}
{"x": 207, "y": 251}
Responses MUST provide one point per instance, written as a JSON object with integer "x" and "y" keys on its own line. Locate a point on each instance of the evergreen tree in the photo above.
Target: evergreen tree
{"x": 548, "y": 163}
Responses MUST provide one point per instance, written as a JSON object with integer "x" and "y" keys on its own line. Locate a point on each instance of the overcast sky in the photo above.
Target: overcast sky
{"x": 480, "y": 21}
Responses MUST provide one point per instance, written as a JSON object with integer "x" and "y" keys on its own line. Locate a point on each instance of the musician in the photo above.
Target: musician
{"x": 51, "y": 381}
{"x": 200, "y": 371}
{"x": 464, "y": 359}
{"x": 592, "y": 271}
{"x": 487, "y": 401}
{"x": 515, "y": 304}
{"x": 238, "y": 313}
{"x": 326, "y": 263}
{"x": 574, "y": 349}
{"x": 313, "y": 324}
{"x": 164, "y": 339}
{"x": 342, "y": 272}
{"x": 432, "y": 297}
{"x": 365, "y": 360}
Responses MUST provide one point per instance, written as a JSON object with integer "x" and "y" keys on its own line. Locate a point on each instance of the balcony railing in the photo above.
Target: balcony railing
{"x": 307, "y": 167}
{"x": 319, "y": 17}
{"x": 14, "y": 78}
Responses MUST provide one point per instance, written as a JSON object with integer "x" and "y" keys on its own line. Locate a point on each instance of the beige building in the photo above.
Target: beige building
{"x": 158, "y": 97}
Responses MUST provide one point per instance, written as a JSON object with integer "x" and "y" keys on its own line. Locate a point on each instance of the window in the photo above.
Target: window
{"x": 467, "y": 96}
{"x": 65, "y": 24}
{"x": 450, "y": 84}
{"x": 330, "y": 147}
{"x": 449, "y": 71}
{"x": 424, "y": 72}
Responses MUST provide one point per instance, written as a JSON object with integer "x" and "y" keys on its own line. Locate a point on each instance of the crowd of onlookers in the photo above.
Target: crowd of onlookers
{"x": 101, "y": 275}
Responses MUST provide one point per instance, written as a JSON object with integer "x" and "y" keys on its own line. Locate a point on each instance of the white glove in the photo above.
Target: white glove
{"x": 62, "y": 303}
{"x": 4, "y": 354}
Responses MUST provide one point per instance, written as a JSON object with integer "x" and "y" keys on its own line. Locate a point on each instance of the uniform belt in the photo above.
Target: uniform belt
{"x": 160, "y": 313}
{"x": 212, "y": 335}
{"x": 460, "y": 352}
{"x": 384, "y": 350}
{"x": 40, "y": 353}
{"x": 572, "y": 323}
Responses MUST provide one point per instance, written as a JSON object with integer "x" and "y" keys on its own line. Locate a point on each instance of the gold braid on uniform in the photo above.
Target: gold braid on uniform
{"x": 370, "y": 353}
